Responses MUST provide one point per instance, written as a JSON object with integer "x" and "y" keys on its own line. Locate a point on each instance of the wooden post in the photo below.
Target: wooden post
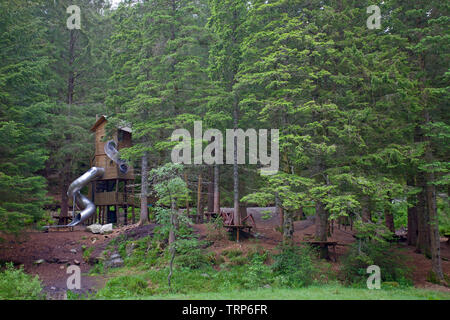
{"x": 211, "y": 190}
{"x": 216, "y": 190}
{"x": 199, "y": 197}
{"x": 187, "y": 199}
{"x": 133, "y": 216}
{"x": 116, "y": 206}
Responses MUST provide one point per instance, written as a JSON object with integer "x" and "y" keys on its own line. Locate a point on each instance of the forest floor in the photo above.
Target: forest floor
{"x": 60, "y": 249}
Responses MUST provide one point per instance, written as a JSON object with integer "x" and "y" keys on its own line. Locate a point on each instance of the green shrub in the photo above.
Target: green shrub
{"x": 238, "y": 261}
{"x": 373, "y": 248}
{"x": 15, "y": 284}
{"x": 196, "y": 259}
{"x": 231, "y": 253}
{"x": 125, "y": 286}
{"x": 294, "y": 266}
{"x": 87, "y": 252}
{"x": 146, "y": 252}
{"x": 189, "y": 255}
{"x": 258, "y": 274}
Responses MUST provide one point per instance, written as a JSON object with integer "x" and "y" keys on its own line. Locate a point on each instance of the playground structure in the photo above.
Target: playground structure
{"x": 108, "y": 180}
{"x": 113, "y": 193}
{"x": 111, "y": 188}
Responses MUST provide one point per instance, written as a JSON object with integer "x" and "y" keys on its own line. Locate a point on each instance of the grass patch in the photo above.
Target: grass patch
{"x": 310, "y": 293}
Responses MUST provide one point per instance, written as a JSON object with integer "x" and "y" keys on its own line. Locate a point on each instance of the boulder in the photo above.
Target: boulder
{"x": 114, "y": 256}
{"x": 107, "y": 228}
{"x": 114, "y": 263}
{"x": 129, "y": 248}
{"x": 94, "y": 228}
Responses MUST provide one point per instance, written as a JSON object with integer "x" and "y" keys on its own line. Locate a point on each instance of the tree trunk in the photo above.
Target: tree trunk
{"x": 389, "y": 218}
{"x": 211, "y": 191}
{"x": 199, "y": 196}
{"x": 412, "y": 215}
{"x": 280, "y": 212}
{"x": 423, "y": 227}
{"x": 64, "y": 203}
{"x": 71, "y": 77}
{"x": 237, "y": 216}
{"x": 216, "y": 190}
{"x": 322, "y": 227}
{"x": 366, "y": 214}
{"x": 144, "y": 190}
{"x": 172, "y": 249}
{"x": 173, "y": 222}
{"x": 288, "y": 226}
{"x": 187, "y": 198}
{"x": 435, "y": 244}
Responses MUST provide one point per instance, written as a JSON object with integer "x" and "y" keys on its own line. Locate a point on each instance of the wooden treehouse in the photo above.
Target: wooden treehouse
{"x": 113, "y": 194}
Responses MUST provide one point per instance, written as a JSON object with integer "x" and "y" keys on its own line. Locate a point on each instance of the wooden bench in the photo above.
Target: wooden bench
{"x": 239, "y": 227}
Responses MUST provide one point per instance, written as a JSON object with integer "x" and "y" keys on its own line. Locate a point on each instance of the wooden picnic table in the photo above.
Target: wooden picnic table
{"x": 232, "y": 226}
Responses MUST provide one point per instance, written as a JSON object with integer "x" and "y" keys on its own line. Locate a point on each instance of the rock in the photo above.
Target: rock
{"x": 107, "y": 228}
{"x": 114, "y": 263}
{"x": 74, "y": 251}
{"x": 129, "y": 248}
{"x": 114, "y": 256}
{"x": 93, "y": 240}
{"x": 94, "y": 228}
{"x": 39, "y": 261}
{"x": 267, "y": 286}
{"x": 61, "y": 267}
{"x": 76, "y": 262}
{"x": 53, "y": 288}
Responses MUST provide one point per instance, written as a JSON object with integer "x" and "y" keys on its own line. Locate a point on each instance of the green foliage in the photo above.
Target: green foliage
{"x": 15, "y": 284}
{"x": 215, "y": 230}
{"x": 232, "y": 253}
{"x": 373, "y": 248}
{"x": 190, "y": 255}
{"x": 294, "y": 266}
{"x": 259, "y": 274}
{"x": 87, "y": 253}
{"x": 124, "y": 286}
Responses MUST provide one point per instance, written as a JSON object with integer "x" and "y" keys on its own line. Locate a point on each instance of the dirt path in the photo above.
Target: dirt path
{"x": 59, "y": 249}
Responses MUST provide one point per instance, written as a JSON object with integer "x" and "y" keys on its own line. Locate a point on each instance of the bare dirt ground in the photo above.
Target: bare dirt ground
{"x": 60, "y": 249}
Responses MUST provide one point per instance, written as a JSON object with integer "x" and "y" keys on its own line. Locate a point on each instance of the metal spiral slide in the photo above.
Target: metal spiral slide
{"x": 87, "y": 207}
{"x": 82, "y": 202}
